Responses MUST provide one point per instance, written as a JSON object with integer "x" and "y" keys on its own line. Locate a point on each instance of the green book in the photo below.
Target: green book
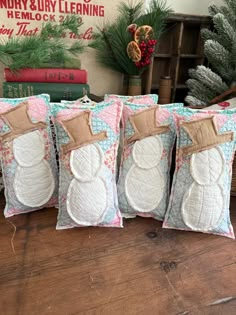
{"x": 57, "y": 91}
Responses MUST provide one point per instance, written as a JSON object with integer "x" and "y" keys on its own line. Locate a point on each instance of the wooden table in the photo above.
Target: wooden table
{"x": 141, "y": 269}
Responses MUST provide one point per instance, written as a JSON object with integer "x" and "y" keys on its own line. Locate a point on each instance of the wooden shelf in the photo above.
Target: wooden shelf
{"x": 178, "y": 86}
{"x": 162, "y": 55}
{"x": 189, "y": 18}
{"x": 191, "y": 56}
{"x": 179, "y": 49}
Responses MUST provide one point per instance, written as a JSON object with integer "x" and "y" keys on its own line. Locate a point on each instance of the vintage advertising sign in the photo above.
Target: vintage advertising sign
{"x": 24, "y": 17}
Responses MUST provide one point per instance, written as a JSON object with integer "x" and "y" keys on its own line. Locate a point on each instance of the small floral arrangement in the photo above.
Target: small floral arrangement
{"x": 141, "y": 49}
{"x": 127, "y": 44}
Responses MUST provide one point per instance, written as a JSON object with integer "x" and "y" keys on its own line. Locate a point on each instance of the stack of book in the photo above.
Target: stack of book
{"x": 60, "y": 84}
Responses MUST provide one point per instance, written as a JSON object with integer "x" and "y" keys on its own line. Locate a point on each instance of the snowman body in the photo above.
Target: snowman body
{"x": 203, "y": 204}
{"x": 34, "y": 182}
{"x": 87, "y": 193}
{"x": 144, "y": 183}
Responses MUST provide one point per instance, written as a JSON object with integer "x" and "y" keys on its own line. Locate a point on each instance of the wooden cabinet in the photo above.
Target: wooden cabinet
{"x": 180, "y": 48}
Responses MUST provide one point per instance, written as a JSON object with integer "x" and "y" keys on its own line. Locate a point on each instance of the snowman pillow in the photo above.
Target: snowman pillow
{"x": 149, "y": 137}
{"x": 200, "y": 193}
{"x": 28, "y": 157}
{"x": 87, "y": 139}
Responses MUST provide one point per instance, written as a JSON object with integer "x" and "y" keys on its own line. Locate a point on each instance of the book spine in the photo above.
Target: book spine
{"x": 48, "y": 75}
{"x": 57, "y": 91}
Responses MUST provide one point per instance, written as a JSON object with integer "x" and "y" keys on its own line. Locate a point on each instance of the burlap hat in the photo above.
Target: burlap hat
{"x": 19, "y": 122}
{"x": 80, "y": 132}
{"x": 144, "y": 125}
{"x": 204, "y": 135}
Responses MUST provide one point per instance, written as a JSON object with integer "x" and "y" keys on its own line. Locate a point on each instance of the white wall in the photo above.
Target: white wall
{"x": 192, "y": 6}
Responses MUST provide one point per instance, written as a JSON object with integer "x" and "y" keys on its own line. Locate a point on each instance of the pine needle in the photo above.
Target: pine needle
{"x": 47, "y": 47}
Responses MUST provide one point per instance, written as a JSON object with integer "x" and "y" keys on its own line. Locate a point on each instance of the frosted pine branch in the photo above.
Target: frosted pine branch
{"x": 206, "y": 34}
{"x": 219, "y": 58}
{"x": 217, "y": 52}
{"x": 191, "y": 100}
{"x": 224, "y": 29}
{"x": 199, "y": 90}
{"x": 231, "y": 5}
{"x": 211, "y": 80}
{"x": 213, "y": 10}
{"x": 220, "y": 50}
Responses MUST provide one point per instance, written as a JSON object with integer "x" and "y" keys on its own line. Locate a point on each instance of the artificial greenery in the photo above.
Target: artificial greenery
{"x": 111, "y": 40}
{"x": 45, "y": 49}
{"x": 206, "y": 83}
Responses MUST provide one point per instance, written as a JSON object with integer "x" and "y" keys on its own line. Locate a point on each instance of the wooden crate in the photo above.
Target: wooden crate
{"x": 179, "y": 49}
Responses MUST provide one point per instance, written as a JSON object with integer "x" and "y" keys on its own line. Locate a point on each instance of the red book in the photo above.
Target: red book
{"x": 47, "y": 75}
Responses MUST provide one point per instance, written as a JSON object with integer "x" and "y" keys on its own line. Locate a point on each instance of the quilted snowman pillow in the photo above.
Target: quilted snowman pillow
{"x": 87, "y": 140}
{"x": 201, "y": 186}
{"x": 28, "y": 157}
{"x": 149, "y": 137}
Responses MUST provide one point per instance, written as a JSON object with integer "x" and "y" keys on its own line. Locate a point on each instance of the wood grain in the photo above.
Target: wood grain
{"x": 140, "y": 269}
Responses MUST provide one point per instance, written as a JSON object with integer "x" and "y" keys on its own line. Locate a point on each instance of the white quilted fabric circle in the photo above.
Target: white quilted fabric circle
{"x": 144, "y": 188}
{"x": 29, "y": 149}
{"x": 203, "y": 207}
{"x": 147, "y": 152}
{"x": 87, "y": 202}
{"x": 86, "y": 162}
{"x": 207, "y": 166}
{"x": 34, "y": 185}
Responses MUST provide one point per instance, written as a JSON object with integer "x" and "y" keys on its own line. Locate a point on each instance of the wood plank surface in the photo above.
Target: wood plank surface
{"x": 140, "y": 269}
